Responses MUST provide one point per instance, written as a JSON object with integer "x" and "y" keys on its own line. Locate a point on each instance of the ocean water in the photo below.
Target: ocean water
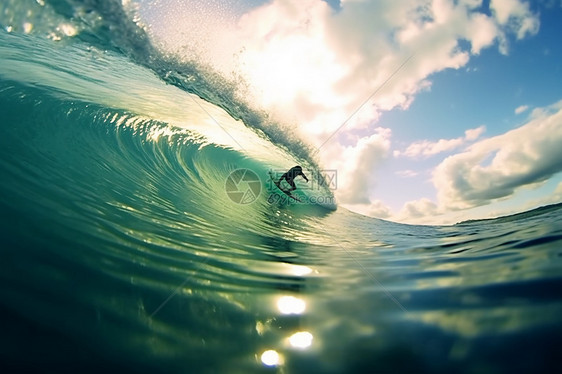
{"x": 140, "y": 231}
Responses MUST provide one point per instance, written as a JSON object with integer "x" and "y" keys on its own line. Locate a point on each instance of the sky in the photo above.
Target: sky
{"x": 431, "y": 111}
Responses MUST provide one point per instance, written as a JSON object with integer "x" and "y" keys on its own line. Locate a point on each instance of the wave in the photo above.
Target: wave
{"x": 109, "y": 26}
{"x": 101, "y": 61}
{"x": 518, "y": 216}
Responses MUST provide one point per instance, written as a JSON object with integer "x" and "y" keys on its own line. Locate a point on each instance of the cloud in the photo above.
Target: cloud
{"x": 307, "y": 63}
{"x": 417, "y": 209}
{"x": 516, "y": 15}
{"x": 495, "y": 168}
{"x": 310, "y": 64}
{"x": 521, "y": 109}
{"x": 407, "y": 173}
{"x": 428, "y": 148}
{"x": 357, "y": 166}
{"x": 374, "y": 208}
{"x": 513, "y": 16}
{"x": 378, "y": 209}
{"x": 473, "y": 134}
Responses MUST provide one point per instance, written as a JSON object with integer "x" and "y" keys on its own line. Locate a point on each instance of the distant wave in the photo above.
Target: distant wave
{"x": 518, "y": 216}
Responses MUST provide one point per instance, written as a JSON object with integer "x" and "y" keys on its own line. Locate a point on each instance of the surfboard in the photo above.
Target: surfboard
{"x": 283, "y": 190}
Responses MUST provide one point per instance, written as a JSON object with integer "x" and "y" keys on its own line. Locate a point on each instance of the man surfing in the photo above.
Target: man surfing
{"x": 293, "y": 172}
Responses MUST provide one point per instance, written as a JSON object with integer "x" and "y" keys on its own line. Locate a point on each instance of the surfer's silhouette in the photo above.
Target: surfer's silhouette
{"x": 293, "y": 172}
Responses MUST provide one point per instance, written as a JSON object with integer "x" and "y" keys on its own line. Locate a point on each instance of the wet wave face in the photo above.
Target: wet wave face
{"x": 141, "y": 230}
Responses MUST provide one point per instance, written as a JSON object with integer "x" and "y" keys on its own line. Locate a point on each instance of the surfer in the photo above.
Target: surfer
{"x": 293, "y": 172}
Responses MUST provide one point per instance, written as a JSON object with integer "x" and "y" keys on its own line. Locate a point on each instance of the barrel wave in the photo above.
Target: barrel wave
{"x": 141, "y": 232}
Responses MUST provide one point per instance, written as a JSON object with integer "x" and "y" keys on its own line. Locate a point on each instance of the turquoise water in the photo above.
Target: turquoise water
{"x": 141, "y": 233}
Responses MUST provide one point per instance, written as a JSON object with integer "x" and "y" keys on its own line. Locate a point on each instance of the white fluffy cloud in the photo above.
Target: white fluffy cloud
{"x": 521, "y": 109}
{"x": 316, "y": 66}
{"x": 417, "y": 209}
{"x": 428, "y": 148}
{"x": 375, "y": 208}
{"x": 515, "y": 15}
{"x": 407, "y": 173}
{"x": 495, "y": 168}
{"x": 357, "y": 166}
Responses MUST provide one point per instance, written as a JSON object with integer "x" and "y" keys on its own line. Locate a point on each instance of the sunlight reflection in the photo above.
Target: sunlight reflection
{"x": 300, "y": 270}
{"x": 301, "y": 339}
{"x": 271, "y": 358}
{"x": 291, "y": 305}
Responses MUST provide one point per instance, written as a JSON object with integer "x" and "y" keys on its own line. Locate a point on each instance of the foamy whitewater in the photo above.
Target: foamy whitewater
{"x": 141, "y": 232}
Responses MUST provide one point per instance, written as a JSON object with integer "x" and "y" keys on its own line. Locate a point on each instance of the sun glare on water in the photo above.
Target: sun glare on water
{"x": 271, "y": 358}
